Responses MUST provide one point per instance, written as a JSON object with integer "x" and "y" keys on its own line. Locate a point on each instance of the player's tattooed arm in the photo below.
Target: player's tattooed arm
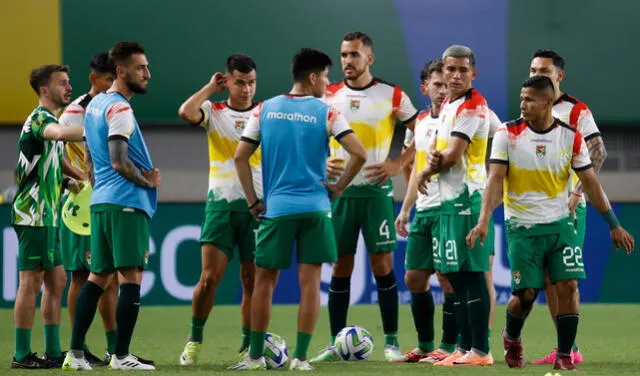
{"x": 597, "y": 154}
{"x": 119, "y": 154}
{"x": 88, "y": 161}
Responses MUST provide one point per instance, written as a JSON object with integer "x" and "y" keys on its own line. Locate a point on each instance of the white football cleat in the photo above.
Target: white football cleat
{"x": 300, "y": 365}
{"x": 71, "y": 363}
{"x": 130, "y": 363}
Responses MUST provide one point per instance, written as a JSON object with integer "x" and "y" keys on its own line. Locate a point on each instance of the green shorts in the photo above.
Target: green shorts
{"x": 581, "y": 222}
{"x": 75, "y": 249}
{"x": 227, "y": 230}
{"x": 422, "y": 243}
{"x": 312, "y": 234}
{"x": 37, "y": 247}
{"x": 553, "y": 247}
{"x": 374, "y": 215}
{"x": 119, "y": 238}
{"x": 452, "y": 245}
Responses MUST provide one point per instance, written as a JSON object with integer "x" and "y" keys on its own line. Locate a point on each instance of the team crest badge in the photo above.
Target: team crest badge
{"x": 87, "y": 256}
{"x": 355, "y": 105}
{"x": 517, "y": 277}
{"x": 240, "y": 124}
{"x": 541, "y": 150}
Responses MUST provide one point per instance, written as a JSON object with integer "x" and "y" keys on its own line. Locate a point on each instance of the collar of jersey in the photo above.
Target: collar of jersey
{"x": 365, "y": 87}
{"x": 552, "y": 127}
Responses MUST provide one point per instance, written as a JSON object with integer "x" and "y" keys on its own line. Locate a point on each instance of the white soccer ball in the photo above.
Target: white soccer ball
{"x": 354, "y": 343}
{"x": 276, "y": 353}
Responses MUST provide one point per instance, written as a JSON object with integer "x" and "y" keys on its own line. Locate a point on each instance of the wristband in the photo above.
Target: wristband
{"x": 254, "y": 204}
{"x": 576, "y": 194}
{"x": 611, "y": 219}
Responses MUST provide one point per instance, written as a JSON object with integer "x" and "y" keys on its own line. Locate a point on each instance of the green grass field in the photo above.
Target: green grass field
{"x": 608, "y": 338}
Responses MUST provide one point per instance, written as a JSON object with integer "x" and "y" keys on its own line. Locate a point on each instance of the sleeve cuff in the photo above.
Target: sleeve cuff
{"x": 461, "y": 135}
{"x": 249, "y": 140}
{"x": 592, "y": 135}
{"x": 119, "y": 137}
{"x": 412, "y": 118}
{"x": 583, "y": 168}
{"x": 342, "y": 134}
{"x": 499, "y": 161}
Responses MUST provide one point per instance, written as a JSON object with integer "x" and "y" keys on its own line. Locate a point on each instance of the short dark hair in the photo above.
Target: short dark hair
{"x": 41, "y": 76}
{"x": 430, "y": 68}
{"x": 539, "y": 83}
{"x": 556, "y": 59}
{"x": 359, "y": 35}
{"x": 460, "y": 51}
{"x": 120, "y": 53}
{"x": 100, "y": 63}
{"x": 308, "y": 60}
{"x": 240, "y": 62}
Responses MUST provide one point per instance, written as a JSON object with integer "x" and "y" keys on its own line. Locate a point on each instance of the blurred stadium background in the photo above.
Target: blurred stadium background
{"x": 188, "y": 40}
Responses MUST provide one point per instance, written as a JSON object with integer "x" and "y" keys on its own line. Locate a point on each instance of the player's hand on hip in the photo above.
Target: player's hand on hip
{"x": 401, "y": 224}
{"x": 217, "y": 81}
{"x": 381, "y": 172}
{"x": 153, "y": 176}
{"x": 335, "y": 168}
{"x": 334, "y": 190}
{"x": 259, "y": 209}
{"x": 622, "y": 239}
{"x": 574, "y": 200}
{"x": 480, "y": 231}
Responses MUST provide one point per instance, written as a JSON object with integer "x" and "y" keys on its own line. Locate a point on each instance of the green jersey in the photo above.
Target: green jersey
{"x": 39, "y": 173}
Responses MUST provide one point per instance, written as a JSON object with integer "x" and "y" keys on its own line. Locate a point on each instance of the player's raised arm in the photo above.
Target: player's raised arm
{"x": 57, "y": 132}
{"x": 191, "y": 110}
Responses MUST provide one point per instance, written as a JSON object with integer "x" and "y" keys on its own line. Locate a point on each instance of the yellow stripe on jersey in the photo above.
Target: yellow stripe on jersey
{"x": 420, "y": 161}
{"x": 374, "y": 137}
{"x": 522, "y": 180}
{"x": 222, "y": 149}
{"x": 441, "y": 144}
{"x": 476, "y": 152}
{"x": 75, "y": 151}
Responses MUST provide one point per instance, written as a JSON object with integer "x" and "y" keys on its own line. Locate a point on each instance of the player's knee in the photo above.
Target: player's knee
{"x": 31, "y": 281}
{"x": 381, "y": 264}
{"x": 566, "y": 289}
{"x": 247, "y": 284}
{"x": 209, "y": 279}
{"x": 343, "y": 267}
{"x": 416, "y": 281}
{"x": 445, "y": 284}
{"x": 526, "y": 297}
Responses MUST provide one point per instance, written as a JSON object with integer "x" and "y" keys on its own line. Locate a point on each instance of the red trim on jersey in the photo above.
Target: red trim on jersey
{"x": 218, "y": 106}
{"x": 574, "y": 115}
{"x": 397, "y": 97}
{"x": 476, "y": 100}
{"x": 334, "y": 88}
{"x": 423, "y": 115}
{"x": 116, "y": 109}
{"x": 256, "y": 111}
{"x": 516, "y": 129}
{"x": 577, "y": 142}
{"x": 73, "y": 111}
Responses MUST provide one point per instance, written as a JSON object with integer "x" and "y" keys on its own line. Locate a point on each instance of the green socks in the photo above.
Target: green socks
{"x": 514, "y": 326}
{"x": 302, "y": 345}
{"x": 246, "y": 337}
{"x": 422, "y": 309}
{"x": 567, "y": 329}
{"x": 126, "y": 316}
{"x": 388, "y": 303}
{"x": 52, "y": 341}
{"x": 86, "y": 306}
{"x": 338, "y": 304}
{"x": 22, "y": 339}
{"x": 256, "y": 349}
{"x": 111, "y": 336}
{"x": 197, "y": 327}
{"x": 449, "y": 326}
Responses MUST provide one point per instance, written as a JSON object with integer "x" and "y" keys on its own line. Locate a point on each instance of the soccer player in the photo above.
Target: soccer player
{"x": 228, "y": 223}
{"x": 531, "y": 162}
{"x": 575, "y": 113}
{"x": 76, "y": 251}
{"x": 293, "y": 131}
{"x": 34, "y": 216}
{"x": 421, "y": 260}
{"x": 371, "y": 106}
{"x": 123, "y": 201}
{"x": 459, "y": 161}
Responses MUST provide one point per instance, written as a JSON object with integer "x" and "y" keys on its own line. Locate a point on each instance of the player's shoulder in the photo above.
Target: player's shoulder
{"x": 335, "y": 87}
{"x": 514, "y": 127}
{"x": 473, "y": 98}
{"x": 564, "y": 125}
{"x": 423, "y": 114}
{"x": 218, "y": 106}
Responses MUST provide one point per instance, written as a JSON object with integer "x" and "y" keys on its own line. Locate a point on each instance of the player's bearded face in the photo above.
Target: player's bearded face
{"x": 59, "y": 89}
{"x": 137, "y": 74}
{"x": 458, "y": 73}
{"x": 355, "y": 59}
{"x": 436, "y": 89}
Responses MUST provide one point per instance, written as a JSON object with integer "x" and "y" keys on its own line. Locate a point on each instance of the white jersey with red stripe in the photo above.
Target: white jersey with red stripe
{"x": 224, "y": 126}
{"x": 539, "y": 168}
{"x": 371, "y": 112}
{"x": 425, "y": 133}
{"x": 74, "y": 115}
